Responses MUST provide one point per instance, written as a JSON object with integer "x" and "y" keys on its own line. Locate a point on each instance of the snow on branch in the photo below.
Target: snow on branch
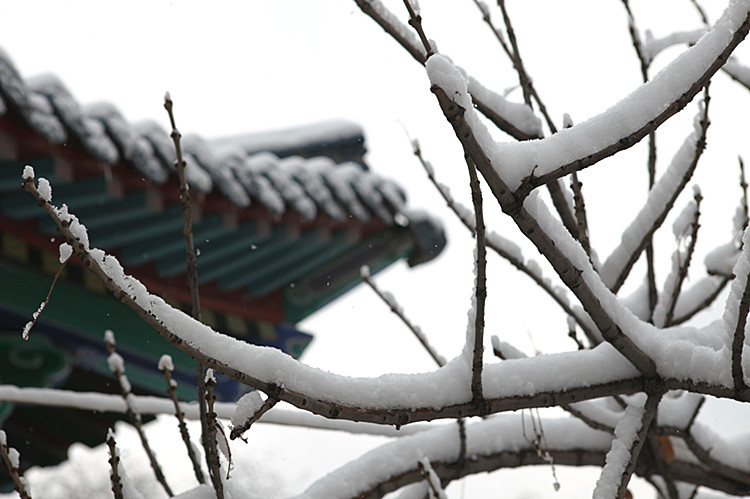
{"x": 660, "y": 200}
{"x": 735, "y": 315}
{"x": 509, "y": 251}
{"x": 524, "y": 166}
{"x": 450, "y": 89}
{"x": 516, "y": 119}
{"x": 685, "y": 229}
{"x": 495, "y": 442}
{"x": 103, "y": 402}
{"x": 399, "y": 399}
{"x": 630, "y": 435}
{"x": 11, "y": 460}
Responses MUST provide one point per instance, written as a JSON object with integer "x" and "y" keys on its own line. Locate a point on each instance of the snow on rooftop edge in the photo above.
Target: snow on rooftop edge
{"x": 288, "y": 138}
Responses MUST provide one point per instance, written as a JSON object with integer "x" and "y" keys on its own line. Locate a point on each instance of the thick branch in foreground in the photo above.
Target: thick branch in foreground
{"x": 274, "y": 372}
{"x": 230, "y": 356}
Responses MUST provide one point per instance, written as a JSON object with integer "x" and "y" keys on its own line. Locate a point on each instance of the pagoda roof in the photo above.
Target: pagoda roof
{"x": 283, "y": 219}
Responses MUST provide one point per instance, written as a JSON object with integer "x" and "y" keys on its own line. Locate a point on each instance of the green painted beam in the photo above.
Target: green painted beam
{"x": 274, "y": 246}
{"x": 271, "y": 265}
{"x": 78, "y": 194}
{"x": 167, "y": 246}
{"x": 143, "y": 229}
{"x": 89, "y": 314}
{"x": 213, "y": 254}
{"x": 262, "y": 283}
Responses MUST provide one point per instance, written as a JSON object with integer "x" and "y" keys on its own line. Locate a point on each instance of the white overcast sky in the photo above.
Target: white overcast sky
{"x": 240, "y": 66}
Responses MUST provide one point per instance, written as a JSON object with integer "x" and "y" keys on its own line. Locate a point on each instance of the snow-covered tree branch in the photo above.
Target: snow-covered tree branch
{"x": 630, "y": 392}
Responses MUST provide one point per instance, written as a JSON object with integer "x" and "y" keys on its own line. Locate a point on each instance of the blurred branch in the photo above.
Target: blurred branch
{"x": 11, "y": 458}
{"x": 114, "y": 463}
{"x": 166, "y": 366}
{"x": 117, "y": 366}
{"x": 502, "y": 247}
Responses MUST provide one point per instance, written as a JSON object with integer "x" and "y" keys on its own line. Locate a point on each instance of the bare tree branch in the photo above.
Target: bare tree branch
{"x": 166, "y": 366}
{"x": 654, "y": 119}
{"x": 396, "y": 309}
{"x": 530, "y": 227}
{"x": 10, "y": 457}
{"x": 480, "y": 284}
{"x": 116, "y": 365}
{"x": 660, "y": 201}
{"x": 664, "y": 312}
{"x": 114, "y": 463}
{"x": 485, "y": 100}
{"x": 501, "y": 246}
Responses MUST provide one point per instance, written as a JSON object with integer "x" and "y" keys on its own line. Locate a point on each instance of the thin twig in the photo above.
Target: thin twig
{"x": 738, "y": 341}
{"x": 741, "y": 225}
{"x": 481, "y": 283}
{"x": 10, "y": 457}
{"x": 432, "y": 479}
{"x": 35, "y": 316}
{"x": 523, "y": 77}
{"x": 117, "y": 366}
{"x": 214, "y": 468}
{"x": 267, "y": 405}
{"x": 396, "y": 309}
{"x": 701, "y": 12}
{"x": 209, "y": 446}
{"x": 495, "y": 31}
{"x": 415, "y": 21}
{"x": 674, "y": 293}
{"x": 530, "y": 227}
{"x": 644, "y": 63}
{"x": 166, "y": 366}
{"x": 186, "y": 210}
{"x": 580, "y": 211}
{"x": 647, "y": 417}
{"x": 464, "y": 215}
{"x": 114, "y": 464}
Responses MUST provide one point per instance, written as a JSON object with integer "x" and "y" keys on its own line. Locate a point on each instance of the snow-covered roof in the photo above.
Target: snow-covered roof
{"x": 307, "y": 170}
